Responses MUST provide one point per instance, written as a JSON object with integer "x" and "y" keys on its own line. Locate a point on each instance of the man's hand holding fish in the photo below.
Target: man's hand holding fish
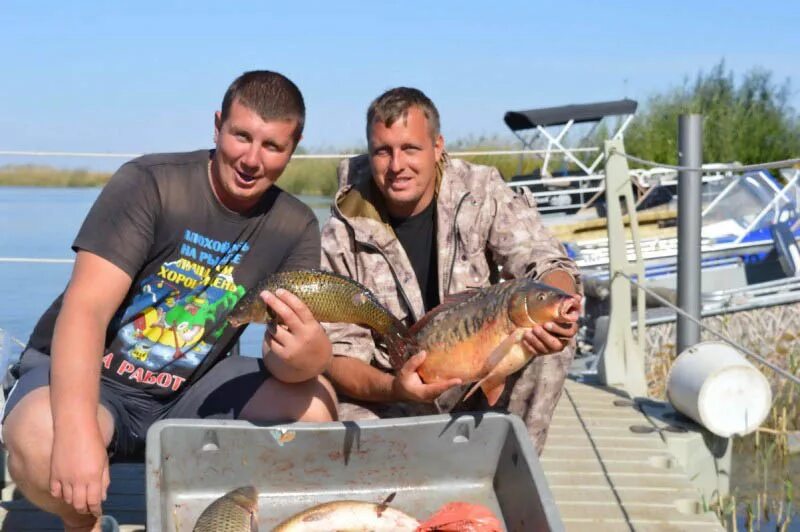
{"x": 407, "y": 385}
{"x": 298, "y": 349}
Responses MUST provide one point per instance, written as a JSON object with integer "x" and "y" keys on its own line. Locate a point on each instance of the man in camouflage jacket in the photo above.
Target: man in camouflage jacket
{"x": 482, "y": 227}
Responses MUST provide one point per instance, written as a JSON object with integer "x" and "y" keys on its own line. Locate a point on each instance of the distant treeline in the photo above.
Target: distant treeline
{"x": 751, "y": 122}
{"x": 748, "y": 122}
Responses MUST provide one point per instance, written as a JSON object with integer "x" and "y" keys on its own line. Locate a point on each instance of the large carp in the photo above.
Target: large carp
{"x": 476, "y": 335}
{"x": 236, "y": 511}
{"x": 331, "y": 298}
{"x": 351, "y": 516}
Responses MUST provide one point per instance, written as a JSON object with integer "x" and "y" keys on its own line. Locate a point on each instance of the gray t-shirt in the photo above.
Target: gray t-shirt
{"x": 190, "y": 259}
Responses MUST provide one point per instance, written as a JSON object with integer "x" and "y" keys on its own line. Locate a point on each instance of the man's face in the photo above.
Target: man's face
{"x": 403, "y": 160}
{"x": 251, "y": 155}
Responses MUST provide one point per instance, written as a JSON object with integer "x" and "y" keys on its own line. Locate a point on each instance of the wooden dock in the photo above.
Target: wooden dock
{"x": 126, "y": 502}
{"x": 603, "y": 475}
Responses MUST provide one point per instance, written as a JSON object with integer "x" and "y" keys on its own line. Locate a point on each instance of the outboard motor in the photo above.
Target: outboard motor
{"x": 787, "y": 249}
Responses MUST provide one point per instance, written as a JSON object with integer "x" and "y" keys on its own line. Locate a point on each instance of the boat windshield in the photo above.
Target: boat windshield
{"x": 751, "y": 202}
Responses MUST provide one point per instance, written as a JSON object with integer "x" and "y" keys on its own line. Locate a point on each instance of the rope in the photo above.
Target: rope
{"x": 296, "y": 156}
{"x": 748, "y": 352}
{"x": 716, "y": 168}
{"x": 36, "y": 260}
{"x": 17, "y": 341}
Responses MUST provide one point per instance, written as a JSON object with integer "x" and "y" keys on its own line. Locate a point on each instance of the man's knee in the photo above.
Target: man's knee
{"x": 28, "y": 435}
{"x": 323, "y": 404}
{"x": 312, "y": 400}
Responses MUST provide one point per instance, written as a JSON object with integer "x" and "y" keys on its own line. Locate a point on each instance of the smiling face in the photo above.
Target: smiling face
{"x": 403, "y": 158}
{"x": 250, "y": 157}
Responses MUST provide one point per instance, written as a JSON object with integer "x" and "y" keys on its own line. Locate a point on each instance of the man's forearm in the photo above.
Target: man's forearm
{"x": 359, "y": 380}
{"x": 77, "y": 352}
{"x": 560, "y": 279}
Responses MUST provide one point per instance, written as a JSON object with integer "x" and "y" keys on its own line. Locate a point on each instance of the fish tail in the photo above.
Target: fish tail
{"x": 400, "y": 346}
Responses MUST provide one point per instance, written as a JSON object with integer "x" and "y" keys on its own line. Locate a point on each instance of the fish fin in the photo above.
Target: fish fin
{"x": 502, "y": 349}
{"x": 472, "y": 390}
{"x": 493, "y": 393}
{"x": 490, "y": 390}
{"x": 449, "y": 301}
{"x": 400, "y": 347}
{"x": 491, "y": 362}
{"x": 385, "y": 504}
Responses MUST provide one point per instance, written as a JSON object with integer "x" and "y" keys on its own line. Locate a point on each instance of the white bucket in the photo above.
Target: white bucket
{"x": 712, "y": 383}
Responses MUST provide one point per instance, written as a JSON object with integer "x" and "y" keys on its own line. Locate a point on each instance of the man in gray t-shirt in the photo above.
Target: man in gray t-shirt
{"x": 139, "y": 334}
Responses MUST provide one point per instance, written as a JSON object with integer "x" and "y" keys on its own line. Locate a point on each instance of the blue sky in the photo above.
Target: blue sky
{"x": 147, "y": 76}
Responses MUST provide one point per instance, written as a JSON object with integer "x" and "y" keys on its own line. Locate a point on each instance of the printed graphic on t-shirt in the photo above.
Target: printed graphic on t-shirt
{"x": 173, "y": 321}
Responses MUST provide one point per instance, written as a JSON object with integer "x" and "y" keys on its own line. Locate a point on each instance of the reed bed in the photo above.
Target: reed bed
{"x": 316, "y": 177}
{"x": 45, "y": 176}
{"x": 765, "y": 466}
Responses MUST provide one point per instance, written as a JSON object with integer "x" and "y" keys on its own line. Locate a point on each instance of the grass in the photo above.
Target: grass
{"x": 45, "y": 176}
{"x": 315, "y": 177}
{"x": 768, "y": 501}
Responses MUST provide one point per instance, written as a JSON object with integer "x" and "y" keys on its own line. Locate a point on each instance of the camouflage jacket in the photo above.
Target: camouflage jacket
{"x": 482, "y": 225}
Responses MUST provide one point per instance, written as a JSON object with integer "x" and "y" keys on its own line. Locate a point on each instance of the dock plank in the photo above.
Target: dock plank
{"x": 126, "y": 503}
{"x": 605, "y": 476}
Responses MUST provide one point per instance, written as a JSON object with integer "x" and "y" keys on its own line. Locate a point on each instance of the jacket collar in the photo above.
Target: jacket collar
{"x": 359, "y": 202}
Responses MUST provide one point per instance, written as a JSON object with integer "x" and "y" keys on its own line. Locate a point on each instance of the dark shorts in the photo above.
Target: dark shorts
{"x": 219, "y": 394}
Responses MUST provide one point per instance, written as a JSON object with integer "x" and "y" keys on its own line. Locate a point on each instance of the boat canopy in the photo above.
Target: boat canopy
{"x": 577, "y": 113}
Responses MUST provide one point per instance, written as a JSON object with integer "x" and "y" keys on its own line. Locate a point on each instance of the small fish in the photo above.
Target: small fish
{"x": 351, "y": 516}
{"x": 332, "y": 298}
{"x": 476, "y": 335}
{"x": 236, "y": 511}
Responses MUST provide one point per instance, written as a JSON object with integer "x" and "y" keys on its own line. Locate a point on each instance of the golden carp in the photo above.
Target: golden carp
{"x": 331, "y": 298}
{"x": 476, "y": 335}
{"x": 351, "y": 516}
{"x": 236, "y": 511}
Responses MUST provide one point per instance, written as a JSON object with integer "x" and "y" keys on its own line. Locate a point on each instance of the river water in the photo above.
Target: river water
{"x": 40, "y": 224}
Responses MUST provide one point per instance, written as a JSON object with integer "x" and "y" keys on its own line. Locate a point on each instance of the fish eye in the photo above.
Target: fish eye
{"x": 540, "y": 297}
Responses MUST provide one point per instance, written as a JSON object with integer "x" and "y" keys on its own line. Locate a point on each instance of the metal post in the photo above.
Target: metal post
{"x": 690, "y": 153}
{"x": 621, "y": 362}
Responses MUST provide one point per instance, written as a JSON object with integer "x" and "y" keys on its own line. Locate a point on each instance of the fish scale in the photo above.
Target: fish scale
{"x": 235, "y": 511}
{"x": 470, "y": 317}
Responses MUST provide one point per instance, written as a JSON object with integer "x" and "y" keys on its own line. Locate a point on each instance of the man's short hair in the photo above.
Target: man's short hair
{"x": 273, "y": 96}
{"x": 395, "y": 103}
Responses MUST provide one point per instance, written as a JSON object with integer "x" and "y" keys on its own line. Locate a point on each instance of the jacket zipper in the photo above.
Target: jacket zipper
{"x": 456, "y": 234}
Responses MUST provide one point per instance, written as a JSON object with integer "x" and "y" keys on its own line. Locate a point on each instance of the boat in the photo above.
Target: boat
{"x": 748, "y": 234}
{"x": 579, "y": 182}
{"x": 750, "y": 219}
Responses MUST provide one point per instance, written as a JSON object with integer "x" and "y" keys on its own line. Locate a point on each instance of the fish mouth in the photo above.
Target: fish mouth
{"x": 569, "y": 310}
{"x": 235, "y": 320}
